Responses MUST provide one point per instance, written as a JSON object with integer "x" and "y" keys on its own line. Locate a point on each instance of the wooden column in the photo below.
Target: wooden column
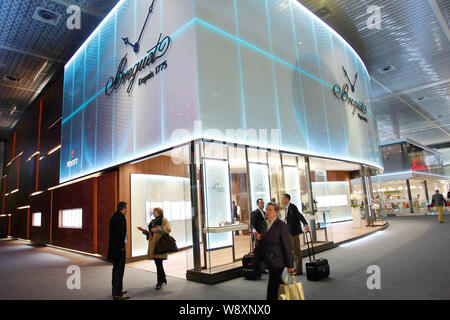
{"x": 95, "y": 218}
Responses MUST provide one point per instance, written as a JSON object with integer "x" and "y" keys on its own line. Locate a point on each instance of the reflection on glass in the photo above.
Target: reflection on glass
{"x": 259, "y": 183}
{"x": 218, "y": 202}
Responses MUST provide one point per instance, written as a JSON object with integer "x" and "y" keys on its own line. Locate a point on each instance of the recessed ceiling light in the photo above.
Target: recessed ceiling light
{"x": 47, "y": 16}
{"x": 386, "y": 69}
{"x": 11, "y": 78}
{"x": 322, "y": 12}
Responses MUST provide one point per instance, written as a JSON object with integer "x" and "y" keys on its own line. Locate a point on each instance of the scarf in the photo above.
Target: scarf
{"x": 155, "y": 222}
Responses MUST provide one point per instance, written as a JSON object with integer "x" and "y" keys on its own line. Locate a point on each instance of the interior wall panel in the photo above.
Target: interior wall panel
{"x": 107, "y": 202}
{"x": 78, "y": 195}
{"x": 41, "y": 203}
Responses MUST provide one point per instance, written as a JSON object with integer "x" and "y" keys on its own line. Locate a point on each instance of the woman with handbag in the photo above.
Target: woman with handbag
{"x": 158, "y": 228}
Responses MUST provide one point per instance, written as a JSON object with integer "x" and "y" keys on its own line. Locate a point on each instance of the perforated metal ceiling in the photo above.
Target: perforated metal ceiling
{"x": 33, "y": 51}
{"x": 412, "y": 39}
{"x": 413, "y": 100}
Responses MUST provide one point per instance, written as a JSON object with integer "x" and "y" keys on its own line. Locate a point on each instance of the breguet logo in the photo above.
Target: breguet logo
{"x": 154, "y": 54}
{"x": 343, "y": 94}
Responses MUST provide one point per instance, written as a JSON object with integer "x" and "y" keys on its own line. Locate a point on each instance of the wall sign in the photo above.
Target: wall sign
{"x": 155, "y": 53}
{"x": 418, "y": 167}
{"x": 342, "y": 93}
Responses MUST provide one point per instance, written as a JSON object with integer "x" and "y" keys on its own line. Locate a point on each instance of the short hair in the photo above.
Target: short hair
{"x": 259, "y": 199}
{"x": 160, "y": 212}
{"x": 287, "y": 196}
{"x": 122, "y": 205}
{"x": 275, "y": 206}
{"x": 437, "y": 190}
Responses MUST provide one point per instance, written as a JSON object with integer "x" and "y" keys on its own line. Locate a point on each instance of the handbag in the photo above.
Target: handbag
{"x": 166, "y": 244}
{"x": 293, "y": 291}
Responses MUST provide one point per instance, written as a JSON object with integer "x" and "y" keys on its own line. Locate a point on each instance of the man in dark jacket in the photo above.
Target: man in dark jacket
{"x": 439, "y": 202}
{"x": 276, "y": 250}
{"x": 258, "y": 222}
{"x": 116, "y": 250}
{"x": 294, "y": 219}
{"x": 258, "y": 219}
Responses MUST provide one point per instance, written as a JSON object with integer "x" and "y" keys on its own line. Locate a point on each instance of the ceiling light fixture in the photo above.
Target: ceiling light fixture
{"x": 11, "y": 78}
{"x": 386, "y": 69}
{"x": 46, "y": 16}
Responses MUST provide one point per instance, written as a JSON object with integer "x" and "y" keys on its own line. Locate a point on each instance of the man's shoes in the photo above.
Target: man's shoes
{"x": 121, "y": 298}
{"x": 158, "y": 286}
{"x": 124, "y": 292}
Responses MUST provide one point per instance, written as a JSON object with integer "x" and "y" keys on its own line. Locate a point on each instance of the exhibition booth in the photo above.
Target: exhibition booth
{"x": 217, "y": 104}
{"x": 412, "y": 175}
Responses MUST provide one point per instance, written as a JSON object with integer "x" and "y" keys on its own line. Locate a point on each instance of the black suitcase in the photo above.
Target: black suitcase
{"x": 249, "y": 270}
{"x": 316, "y": 269}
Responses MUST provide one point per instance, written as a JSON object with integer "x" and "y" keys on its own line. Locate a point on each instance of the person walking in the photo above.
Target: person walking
{"x": 116, "y": 250}
{"x": 294, "y": 219}
{"x": 158, "y": 227}
{"x": 258, "y": 225}
{"x": 276, "y": 250}
{"x": 439, "y": 202}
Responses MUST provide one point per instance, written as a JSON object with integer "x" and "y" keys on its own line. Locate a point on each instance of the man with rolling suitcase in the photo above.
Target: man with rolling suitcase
{"x": 258, "y": 225}
{"x": 295, "y": 219}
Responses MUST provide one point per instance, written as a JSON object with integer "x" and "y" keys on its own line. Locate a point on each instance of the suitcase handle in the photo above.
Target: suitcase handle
{"x": 310, "y": 250}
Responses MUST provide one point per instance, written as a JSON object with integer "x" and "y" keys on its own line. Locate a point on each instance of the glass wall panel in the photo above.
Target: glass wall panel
{"x": 330, "y": 182}
{"x": 259, "y": 183}
{"x": 240, "y": 196}
{"x": 172, "y": 194}
{"x": 393, "y": 160}
{"x": 218, "y": 202}
{"x": 276, "y": 177}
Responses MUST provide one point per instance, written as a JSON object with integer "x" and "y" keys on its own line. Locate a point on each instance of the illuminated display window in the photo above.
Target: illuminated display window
{"x": 36, "y": 219}
{"x": 71, "y": 218}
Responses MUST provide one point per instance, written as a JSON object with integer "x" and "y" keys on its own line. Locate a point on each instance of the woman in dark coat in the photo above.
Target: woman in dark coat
{"x": 156, "y": 229}
{"x": 276, "y": 250}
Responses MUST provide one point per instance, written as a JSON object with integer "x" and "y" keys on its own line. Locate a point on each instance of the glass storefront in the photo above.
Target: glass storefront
{"x": 226, "y": 180}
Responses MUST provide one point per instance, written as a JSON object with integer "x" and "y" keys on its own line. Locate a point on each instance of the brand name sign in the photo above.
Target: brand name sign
{"x": 122, "y": 76}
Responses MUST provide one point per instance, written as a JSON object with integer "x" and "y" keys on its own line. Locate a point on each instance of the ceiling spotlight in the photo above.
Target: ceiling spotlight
{"x": 322, "y": 12}
{"x": 11, "y": 78}
{"x": 45, "y": 15}
{"x": 386, "y": 69}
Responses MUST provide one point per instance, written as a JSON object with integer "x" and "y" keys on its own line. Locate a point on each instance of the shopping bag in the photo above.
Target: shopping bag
{"x": 293, "y": 291}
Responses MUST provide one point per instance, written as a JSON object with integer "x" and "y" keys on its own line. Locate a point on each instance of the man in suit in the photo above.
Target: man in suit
{"x": 294, "y": 219}
{"x": 258, "y": 225}
{"x": 116, "y": 250}
{"x": 258, "y": 219}
{"x": 276, "y": 250}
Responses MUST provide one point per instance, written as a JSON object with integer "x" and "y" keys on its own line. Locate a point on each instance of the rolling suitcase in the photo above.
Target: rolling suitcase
{"x": 316, "y": 269}
{"x": 249, "y": 270}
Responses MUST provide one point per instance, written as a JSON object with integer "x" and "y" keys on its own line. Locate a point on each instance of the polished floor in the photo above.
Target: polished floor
{"x": 412, "y": 254}
{"x": 183, "y": 260}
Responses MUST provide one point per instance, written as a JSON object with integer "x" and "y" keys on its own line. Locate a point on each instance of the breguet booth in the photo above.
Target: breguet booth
{"x": 200, "y": 108}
